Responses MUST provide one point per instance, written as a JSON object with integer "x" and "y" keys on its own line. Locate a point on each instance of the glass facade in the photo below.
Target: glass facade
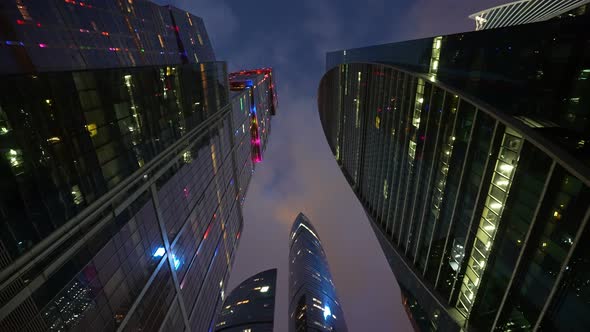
{"x": 250, "y": 306}
{"x": 123, "y": 171}
{"x": 479, "y": 196}
{"x": 40, "y": 36}
{"x": 313, "y": 302}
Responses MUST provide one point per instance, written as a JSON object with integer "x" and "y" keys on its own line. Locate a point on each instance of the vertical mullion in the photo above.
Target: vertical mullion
{"x": 524, "y": 245}
{"x": 564, "y": 266}
{"x": 430, "y": 175}
{"x": 420, "y": 168}
{"x": 457, "y": 194}
{"x": 476, "y": 203}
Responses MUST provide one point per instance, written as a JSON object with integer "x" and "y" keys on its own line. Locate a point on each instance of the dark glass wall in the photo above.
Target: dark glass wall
{"x": 537, "y": 72}
{"x": 313, "y": 302}
{"x": 122, "y": 197}
{"x": 479, "y": 221}
{"x": 250, "y": 305}
{"x": 38, "y": 36}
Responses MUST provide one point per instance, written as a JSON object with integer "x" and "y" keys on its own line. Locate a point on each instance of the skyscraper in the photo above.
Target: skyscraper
{"x": 124, "y": 163}
{"x": 526, "y": 11}
{"x": 250, "y": 306}
{"x": 313, "y": 302}
{"x": 470, "y": 154}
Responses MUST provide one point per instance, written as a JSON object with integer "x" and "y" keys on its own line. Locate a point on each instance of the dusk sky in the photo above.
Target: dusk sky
{"x": 299, "y": 172}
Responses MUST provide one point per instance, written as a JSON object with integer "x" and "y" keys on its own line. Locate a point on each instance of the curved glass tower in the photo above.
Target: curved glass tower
{"x": 470, "y": 155}
{"x": 313, "y": 302}
{"x": 250, "y": 306}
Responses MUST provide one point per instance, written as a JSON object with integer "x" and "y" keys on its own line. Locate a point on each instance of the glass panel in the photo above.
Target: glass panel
{"x": 565, "y": 204}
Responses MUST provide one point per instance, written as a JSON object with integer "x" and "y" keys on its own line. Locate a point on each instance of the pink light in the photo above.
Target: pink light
{"x": 207, "y": 232}
{"x": 43, "y": 45}
{"x": 38, "y": 25}
{"x": 20, "y": 22}
{"x": 185, "y": 192}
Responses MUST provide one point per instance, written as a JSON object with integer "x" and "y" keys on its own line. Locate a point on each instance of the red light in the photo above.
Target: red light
{"x": 20, "y": 22}
{"x": 38, "y": 25}
{"x": 207, "y": 232}
{"x": 82, "y": 4}
{"x": 104, "y": 33}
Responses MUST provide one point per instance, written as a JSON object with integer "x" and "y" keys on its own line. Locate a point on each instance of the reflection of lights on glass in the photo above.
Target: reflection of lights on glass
{"x": 502, "y": 183}
{"x": 506, "y": 167}
{"x": 327, "y": 312}
{"x": 176, "y": 262}
{"x": 159, "y": 252}
{"x": 264, "y": 289}
{"x": 489, "y": 227}
{"x": 495, "y": 205}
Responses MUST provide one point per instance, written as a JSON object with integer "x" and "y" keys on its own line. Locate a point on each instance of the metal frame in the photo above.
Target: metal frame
{"x": 148, "y": 174}
{"x": 431, "y": 172}
{"x": 457, "y": 194}
{"x": 524, "y": 245}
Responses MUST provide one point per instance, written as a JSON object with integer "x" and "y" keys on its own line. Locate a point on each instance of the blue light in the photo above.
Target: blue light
{"x": 159, "y": 252}
{"x": 176, "y": 262}
{"x": 327, "y": 312}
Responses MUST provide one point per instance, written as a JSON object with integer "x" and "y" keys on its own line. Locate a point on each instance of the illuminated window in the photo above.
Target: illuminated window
{"x": 77, "y": 195}
{"x": 264, "y": 289}
{"x": 91, "y": 127}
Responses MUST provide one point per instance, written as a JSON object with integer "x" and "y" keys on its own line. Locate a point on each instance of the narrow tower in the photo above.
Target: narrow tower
{"x": 250, "y": 306}
{"x": 314, "y": 304}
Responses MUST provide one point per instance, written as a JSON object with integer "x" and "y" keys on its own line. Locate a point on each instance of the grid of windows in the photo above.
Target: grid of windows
{"x": 75, "y": 35}
{"x": 145, "y": 161}
{"x": 480, "y": 225}
{"x": 313, "y": 301}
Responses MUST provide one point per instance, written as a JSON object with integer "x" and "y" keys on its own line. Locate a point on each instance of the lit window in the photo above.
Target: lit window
{"x": 264, "y": 289}
{"x": 159, "y": 252}
{"x": 91, "y": 127}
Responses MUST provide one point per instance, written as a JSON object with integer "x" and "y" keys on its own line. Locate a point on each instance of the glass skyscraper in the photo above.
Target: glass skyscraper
{"x": 313, "y": 302}
{"x": 250, "y": 306}
{"x": 124, "y": 162}
{"x": 470, "y": 155}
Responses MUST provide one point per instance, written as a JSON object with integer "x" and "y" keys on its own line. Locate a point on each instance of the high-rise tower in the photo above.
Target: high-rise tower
{"x": 313, "y": 302}
{"x": 124, "y": 162}
{"x": 470, "y": 155}
{"x": 250, "y": 306}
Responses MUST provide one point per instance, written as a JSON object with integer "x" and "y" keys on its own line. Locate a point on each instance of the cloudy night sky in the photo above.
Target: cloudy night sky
{"x": 299, "y": 172}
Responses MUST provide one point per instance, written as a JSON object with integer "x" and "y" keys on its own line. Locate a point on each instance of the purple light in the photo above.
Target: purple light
{"x": 43, "y": 45}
